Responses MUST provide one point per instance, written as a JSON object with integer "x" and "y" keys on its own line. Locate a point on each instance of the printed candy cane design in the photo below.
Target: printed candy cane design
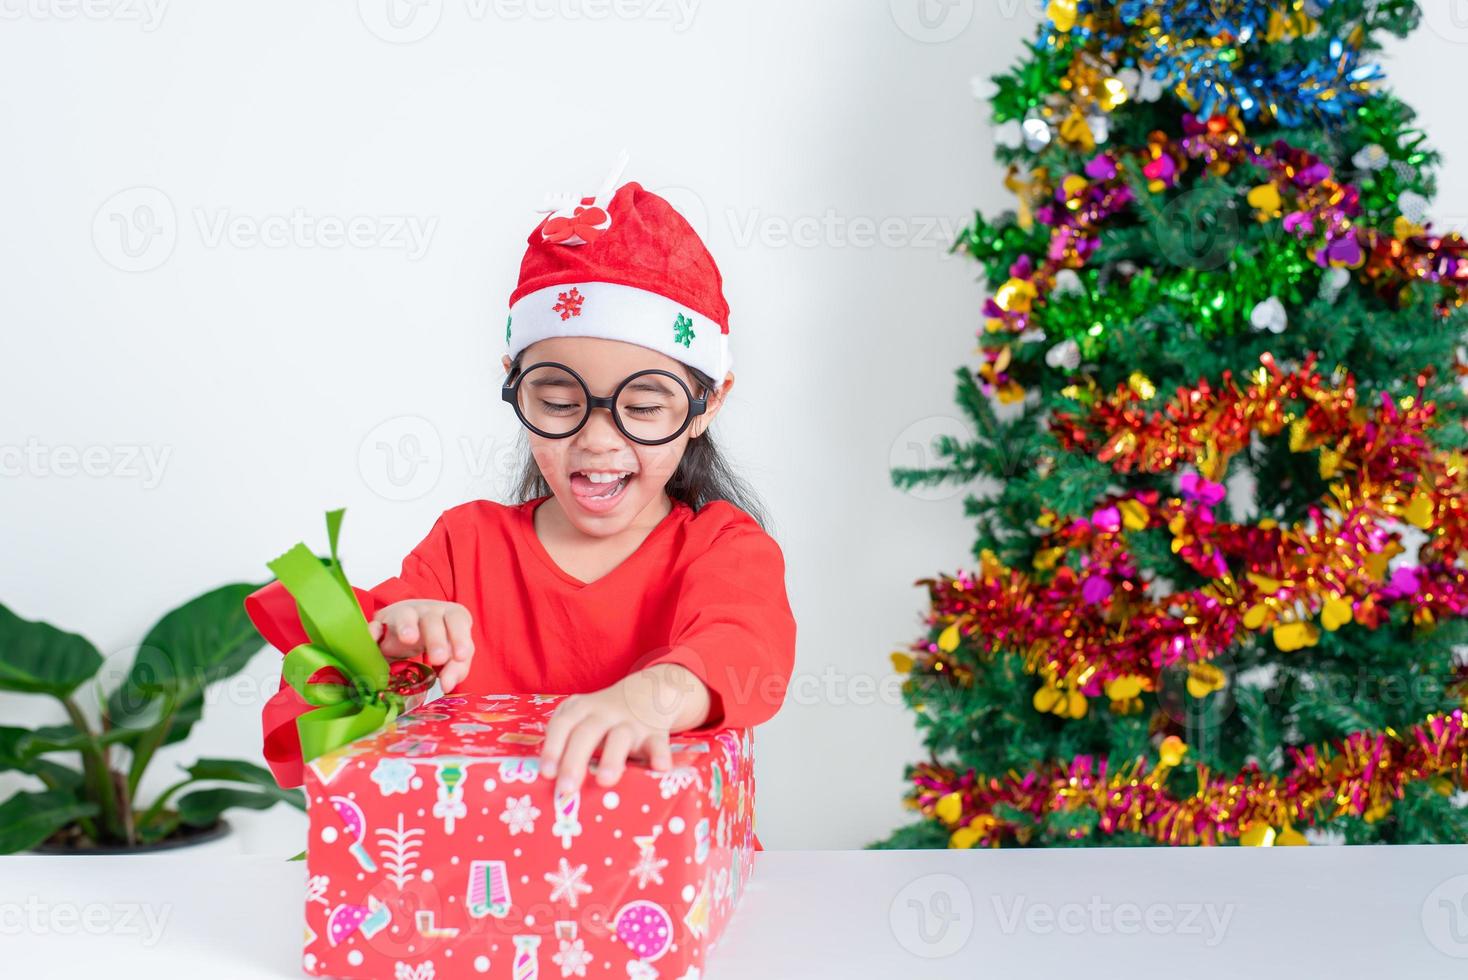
{"x": 701, "y": 840}
{"x": 356, "y": 824}
{"x": 566, "y": 825}
{"x": 527, "y": 959}
{"x": 450, "y": 804}
{"x": 489, "y": 889}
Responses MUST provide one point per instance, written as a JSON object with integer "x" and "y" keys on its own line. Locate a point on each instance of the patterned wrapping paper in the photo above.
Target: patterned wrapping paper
{"x": 437, "y": 851}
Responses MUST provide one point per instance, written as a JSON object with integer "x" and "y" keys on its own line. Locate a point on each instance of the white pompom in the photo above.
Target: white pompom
{"x": 1066, "y": 355}
{"x": 1270, "y": 315}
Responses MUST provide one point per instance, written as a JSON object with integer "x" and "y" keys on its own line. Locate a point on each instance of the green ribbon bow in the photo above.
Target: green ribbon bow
{"x": 340, "y": 638}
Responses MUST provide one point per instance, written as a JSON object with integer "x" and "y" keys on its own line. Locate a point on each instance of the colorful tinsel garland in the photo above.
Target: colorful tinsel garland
{"x": 1361, "y": 775}
{"x": 1085, "y": 618}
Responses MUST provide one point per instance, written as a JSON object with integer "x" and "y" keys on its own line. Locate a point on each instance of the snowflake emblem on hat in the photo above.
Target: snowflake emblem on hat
{"x": 683, "y": 330}
{"x": 568, "y": 304}
{"x": 582, "y": 227}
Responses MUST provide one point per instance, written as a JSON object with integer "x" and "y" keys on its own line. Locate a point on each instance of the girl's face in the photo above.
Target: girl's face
{"x": 601, "y": 447}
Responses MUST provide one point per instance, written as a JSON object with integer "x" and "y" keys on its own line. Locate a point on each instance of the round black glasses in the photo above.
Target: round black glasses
{"x": 650, "y": 407}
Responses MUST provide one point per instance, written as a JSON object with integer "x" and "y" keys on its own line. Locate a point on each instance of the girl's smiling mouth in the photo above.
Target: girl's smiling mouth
{"x": 599, "y": 490}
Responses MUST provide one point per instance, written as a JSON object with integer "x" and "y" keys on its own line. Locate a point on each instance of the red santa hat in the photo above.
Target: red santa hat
{"x": 631, "y": 270}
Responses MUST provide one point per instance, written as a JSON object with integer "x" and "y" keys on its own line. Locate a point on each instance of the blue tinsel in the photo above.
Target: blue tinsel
{"x": 1289, "y": 94}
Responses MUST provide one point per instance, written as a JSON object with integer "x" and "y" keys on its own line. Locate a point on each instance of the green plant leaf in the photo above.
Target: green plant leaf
{"x": 232, "y": 770}
{"x": 204, "y": 640}
{"x": 158, "y": 829}
{"x": 65, "y": 738}
{"x": 16, "y": 755}
{"x": 202, "y": 807}
{"x": 38, "y": 658}
{"x": 27, "y": 819}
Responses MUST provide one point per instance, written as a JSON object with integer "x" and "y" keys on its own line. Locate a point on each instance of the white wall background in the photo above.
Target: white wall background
{"x": 232, "y": 389}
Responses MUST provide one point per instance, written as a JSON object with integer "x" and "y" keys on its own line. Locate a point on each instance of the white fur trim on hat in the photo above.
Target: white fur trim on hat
{"x": 616, "y": 312}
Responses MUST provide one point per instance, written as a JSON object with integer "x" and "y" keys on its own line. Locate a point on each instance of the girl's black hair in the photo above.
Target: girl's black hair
{"x": 703, "y": 474}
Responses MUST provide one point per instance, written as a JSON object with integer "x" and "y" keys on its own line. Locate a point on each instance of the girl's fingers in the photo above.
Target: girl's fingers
{"x": 404, "y": 622}
{"x": 452, "y": 675}
{"x": 459, "y": 623}
{"x": 376, "y": 627}
{"x": 614, "y": 755}
{"x": 660, "y": 751}
{"x": 435, "y": 637}
{"x": 583, "y": 742}
{"x": 557, "y": 731}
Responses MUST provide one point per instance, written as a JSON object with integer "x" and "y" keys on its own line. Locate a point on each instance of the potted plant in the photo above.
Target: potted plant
{"x": 91, "y": 771}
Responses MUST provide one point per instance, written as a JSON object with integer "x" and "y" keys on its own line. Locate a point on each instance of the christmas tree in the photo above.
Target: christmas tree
{"x": 1217, "y": 402}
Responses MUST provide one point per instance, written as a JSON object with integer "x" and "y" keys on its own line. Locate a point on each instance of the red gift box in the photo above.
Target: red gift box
{"x": 438, "y": 851}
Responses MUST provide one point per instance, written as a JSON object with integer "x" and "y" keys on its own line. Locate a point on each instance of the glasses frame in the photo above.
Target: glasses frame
{"x": 510, "y": 392}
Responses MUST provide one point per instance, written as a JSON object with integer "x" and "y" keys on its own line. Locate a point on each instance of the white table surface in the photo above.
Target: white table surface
{"x": 1394, "y": 913}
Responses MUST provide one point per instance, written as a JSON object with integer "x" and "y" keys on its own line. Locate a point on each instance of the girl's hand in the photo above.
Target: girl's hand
{"x": 633, "y": 717}
{"x": 414, "y": 626}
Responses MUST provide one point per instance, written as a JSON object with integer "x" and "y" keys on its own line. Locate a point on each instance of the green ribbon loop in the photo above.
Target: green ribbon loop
{"x": 339, "y": 638}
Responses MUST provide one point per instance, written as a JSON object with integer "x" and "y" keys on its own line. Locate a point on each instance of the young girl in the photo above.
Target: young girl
{"x": 634, "y": 573}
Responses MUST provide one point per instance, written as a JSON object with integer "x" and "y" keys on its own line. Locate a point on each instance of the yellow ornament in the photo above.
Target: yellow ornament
{"x": 1076, "y": 705}
{"x": 1133, "y": 514}
{"x": 1172, "y": 750}
{"x": 1047, "y": 558}
{"x": 949, "y": 808}
{"x": 1062, "y": 14}
{"x": 901, "y": 662}
{"x": 1256, "y": 616}
{"x": 1113, "y": 94}
{"x": 1204, "y": 679}
{"x": 1141, "y": 385}
{"x": 1337, "y": 613}
{"x": 1257, "y": 835}
{"x": 1419, "y": 511}
{"x": 1290, "y": 837}
{"x": 1046, "y": 698}
{"x": 1265, "y": 198}
{"x": 1123, "y": 687}
{"x": 948, "y": 639}
{"x": 1076, "y": 131}
{"x": 1403, "y": 227}
{"x": 1296, "y": 636}
{"x": 1015, "y": 295}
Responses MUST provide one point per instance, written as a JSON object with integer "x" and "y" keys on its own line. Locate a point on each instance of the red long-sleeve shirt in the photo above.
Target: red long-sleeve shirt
{"x": 705, "y": 590}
